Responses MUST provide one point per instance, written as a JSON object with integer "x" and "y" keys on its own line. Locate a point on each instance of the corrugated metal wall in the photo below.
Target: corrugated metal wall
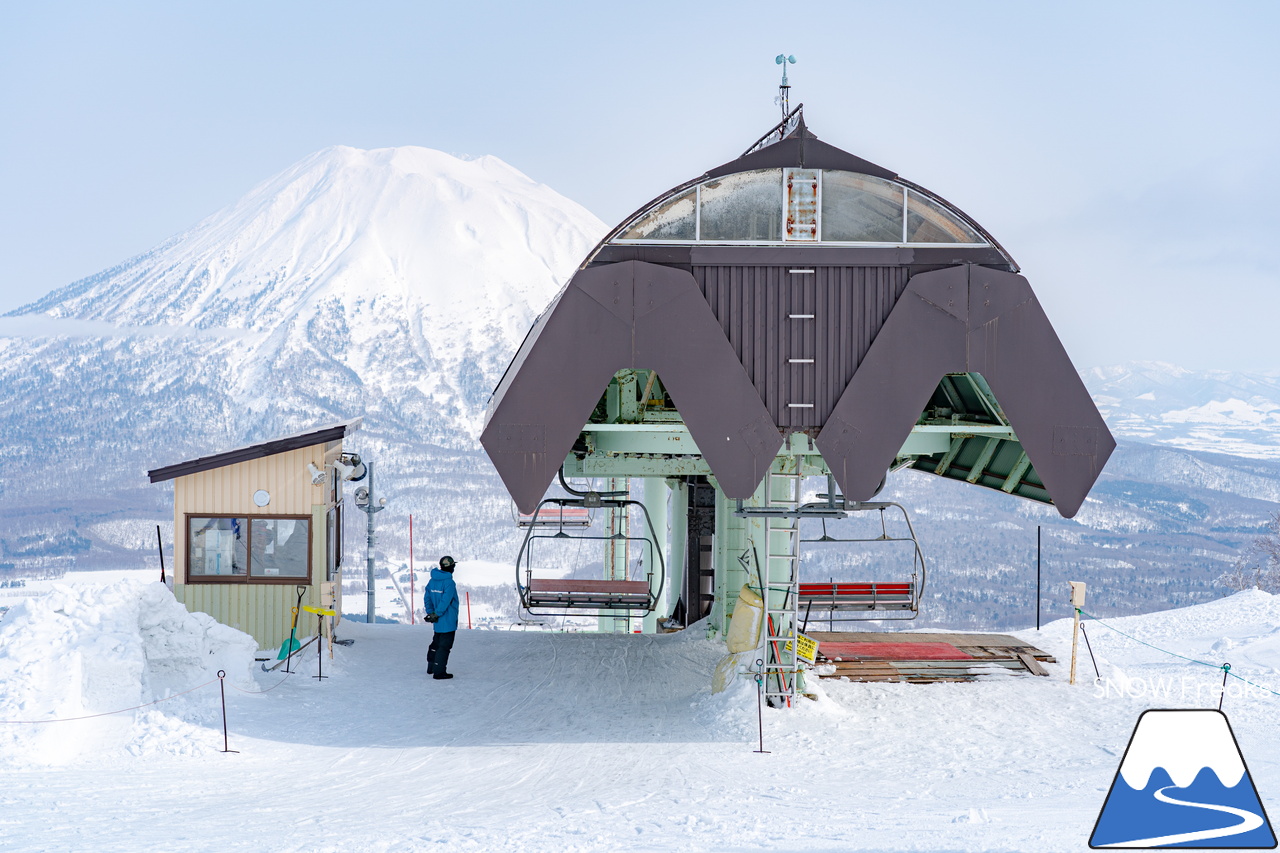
{"x": 260, "y": 609}
{"x": 801, "y": 330}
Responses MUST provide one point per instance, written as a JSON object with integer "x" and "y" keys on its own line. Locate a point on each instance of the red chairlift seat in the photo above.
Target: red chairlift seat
{"x": 858, "y": 596}
{"x": 862, "y": 599}
{"x": 557, "y": 516}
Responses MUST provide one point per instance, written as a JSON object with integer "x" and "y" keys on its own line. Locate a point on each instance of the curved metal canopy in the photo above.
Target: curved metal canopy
{"x": 756, "y": 338}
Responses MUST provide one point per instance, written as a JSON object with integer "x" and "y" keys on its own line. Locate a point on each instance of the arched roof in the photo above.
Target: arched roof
{"x": 799, "y": 288}
{"x": 799, "y": 191}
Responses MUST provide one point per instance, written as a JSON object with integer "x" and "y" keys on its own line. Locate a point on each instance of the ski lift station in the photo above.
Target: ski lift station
{"x": 753, "y": 352}
{"x": 257, "y": 531}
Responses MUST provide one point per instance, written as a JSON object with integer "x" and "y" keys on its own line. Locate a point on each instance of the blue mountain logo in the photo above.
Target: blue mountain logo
{"x": 1183, "y": 783}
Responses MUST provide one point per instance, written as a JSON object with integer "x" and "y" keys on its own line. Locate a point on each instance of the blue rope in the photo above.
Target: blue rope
{"x": 1224, "y": 668}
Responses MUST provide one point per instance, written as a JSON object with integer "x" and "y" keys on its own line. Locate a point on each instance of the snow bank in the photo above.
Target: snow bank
{"x": 94, "y": 650}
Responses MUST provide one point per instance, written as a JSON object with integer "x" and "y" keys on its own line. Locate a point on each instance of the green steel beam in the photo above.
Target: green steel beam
{"x": 1015, "y": 476}
{"x": 957, "y": 442}
{"x": 984, "y": 459}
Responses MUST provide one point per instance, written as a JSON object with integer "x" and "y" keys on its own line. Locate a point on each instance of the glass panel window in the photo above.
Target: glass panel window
{"x": 745, "y": 206}
{"x": 860, "y": 208}
{"x": 673, "y": 220}
{"x": 280, "y": 547}
{"x": 217, "y": 547}
{"x": 929, "y": 222}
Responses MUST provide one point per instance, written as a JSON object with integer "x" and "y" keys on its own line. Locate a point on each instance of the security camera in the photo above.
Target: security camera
{"x": 317, "y": 475}
{"x": 362, "y": 496}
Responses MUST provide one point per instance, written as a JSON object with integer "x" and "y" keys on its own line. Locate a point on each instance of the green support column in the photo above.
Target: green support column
{"x": 679, "y": 551}
{"x": 616, "y": 554}
{"x": 733, "y": 544}
{"x": 655, "y": 503}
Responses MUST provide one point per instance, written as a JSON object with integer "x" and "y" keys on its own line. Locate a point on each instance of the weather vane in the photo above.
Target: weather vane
{"x": 784, "y": 91}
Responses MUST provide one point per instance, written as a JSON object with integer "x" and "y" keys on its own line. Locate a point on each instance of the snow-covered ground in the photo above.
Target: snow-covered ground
{"x": 575, "y": 742}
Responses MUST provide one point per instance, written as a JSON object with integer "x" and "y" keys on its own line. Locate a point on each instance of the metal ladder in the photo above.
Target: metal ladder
{"x": 781, "y": 587}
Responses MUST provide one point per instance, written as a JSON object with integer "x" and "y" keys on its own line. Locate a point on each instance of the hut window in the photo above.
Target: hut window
{"x": 231, "y": 549}
{"x": 219, "y": 547}
{"x": 280, "y": 547}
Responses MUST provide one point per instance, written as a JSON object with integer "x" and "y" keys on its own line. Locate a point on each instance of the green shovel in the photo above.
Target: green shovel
{"x": 291, "y": 645}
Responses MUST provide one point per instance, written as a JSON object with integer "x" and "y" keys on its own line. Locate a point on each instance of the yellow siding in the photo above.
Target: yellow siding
{"x": 263, "y": 610}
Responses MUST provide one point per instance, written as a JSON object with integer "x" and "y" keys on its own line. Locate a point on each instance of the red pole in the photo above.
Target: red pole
{"x": 412, "y": 595}
{"x": 468, "y": 610}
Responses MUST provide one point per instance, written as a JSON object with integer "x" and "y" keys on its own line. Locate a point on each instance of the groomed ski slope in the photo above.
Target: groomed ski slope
{"x": 575, "y": 742}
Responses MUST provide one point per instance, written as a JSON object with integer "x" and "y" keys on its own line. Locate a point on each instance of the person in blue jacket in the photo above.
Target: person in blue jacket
{"x": 441, "y": 599}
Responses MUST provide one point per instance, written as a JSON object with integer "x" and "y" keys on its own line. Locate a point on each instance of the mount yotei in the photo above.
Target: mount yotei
{"x": 392, "y": 283}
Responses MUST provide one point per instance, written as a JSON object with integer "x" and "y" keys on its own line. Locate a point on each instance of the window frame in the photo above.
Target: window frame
{"x": 248, "y": 576}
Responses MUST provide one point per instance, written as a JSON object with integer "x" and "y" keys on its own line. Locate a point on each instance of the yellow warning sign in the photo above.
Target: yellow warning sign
{"x": 807, "y": 648}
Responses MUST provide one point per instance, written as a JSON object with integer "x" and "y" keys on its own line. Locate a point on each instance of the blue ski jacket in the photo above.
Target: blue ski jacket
{"x": 442, "y": 597}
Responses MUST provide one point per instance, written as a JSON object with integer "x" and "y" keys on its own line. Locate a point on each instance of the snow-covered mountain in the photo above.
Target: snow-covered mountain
{"x": 393, "y": 283}
{"x": 1212, "y": 410}
{"x": 403, "y": 273}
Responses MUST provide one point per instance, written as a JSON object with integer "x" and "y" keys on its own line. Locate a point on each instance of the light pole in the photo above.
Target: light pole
{"x": 366, "y": 503}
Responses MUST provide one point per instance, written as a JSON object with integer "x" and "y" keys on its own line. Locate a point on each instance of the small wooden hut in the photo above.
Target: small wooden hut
{"x": 256, "y": 527}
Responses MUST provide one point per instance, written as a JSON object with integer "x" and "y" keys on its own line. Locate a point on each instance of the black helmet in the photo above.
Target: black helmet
{"x": 447, "y": 563}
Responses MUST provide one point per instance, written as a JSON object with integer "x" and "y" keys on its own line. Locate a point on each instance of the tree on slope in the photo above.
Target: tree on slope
{"x": 1258, "y": 567}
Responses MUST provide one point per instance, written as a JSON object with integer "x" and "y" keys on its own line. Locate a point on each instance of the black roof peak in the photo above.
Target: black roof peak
{"x": 790, "y": 144}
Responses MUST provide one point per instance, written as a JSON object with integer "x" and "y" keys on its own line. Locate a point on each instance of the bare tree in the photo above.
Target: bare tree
{"x": 1258, "y": 567}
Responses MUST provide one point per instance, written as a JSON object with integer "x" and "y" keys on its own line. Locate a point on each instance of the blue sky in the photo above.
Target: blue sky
{"x": 1124, "y": 153}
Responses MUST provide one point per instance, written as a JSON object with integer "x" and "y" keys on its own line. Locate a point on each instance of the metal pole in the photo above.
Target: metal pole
{"x": 222, "y": 691}
{"x": 160, "y": 546}
{"x": 1037, "y": 577}
{"x": 371, "y": 506}
{"x": 412, "y": 594}
{"x": 369, "y": 591}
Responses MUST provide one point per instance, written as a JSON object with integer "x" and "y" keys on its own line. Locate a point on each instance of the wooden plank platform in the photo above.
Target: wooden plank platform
{"x": 989, "y": 653}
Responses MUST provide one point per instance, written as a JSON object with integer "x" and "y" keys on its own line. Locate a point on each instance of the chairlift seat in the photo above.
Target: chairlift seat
{"x": 558, "y": 516}
{"x": 560, "y": 592}
{"x": 858, "y": 596}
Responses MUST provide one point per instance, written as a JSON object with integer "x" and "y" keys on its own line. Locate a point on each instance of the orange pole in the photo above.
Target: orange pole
{"x": 412, "y": 595}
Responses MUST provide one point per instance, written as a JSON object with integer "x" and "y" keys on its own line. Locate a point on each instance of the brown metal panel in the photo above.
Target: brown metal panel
{"x": 540, "y": 408}
{"x": 755, "y": 305}
{"x": 627, "y": 315}
{"x": 1013, "y": 345}
{"x": 887, "y": 393}
{"x": 969, "y": 319}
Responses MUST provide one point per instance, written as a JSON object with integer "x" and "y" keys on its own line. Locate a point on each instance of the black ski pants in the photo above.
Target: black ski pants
{"x": 438, "y": 651}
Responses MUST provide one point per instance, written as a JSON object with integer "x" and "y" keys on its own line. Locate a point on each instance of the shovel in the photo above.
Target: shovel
{"x": 291, "y": 645}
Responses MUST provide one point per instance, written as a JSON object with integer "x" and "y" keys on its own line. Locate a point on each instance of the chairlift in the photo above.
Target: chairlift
{"x": 867, "y": 600}
{"x": 544, "y": 596}
{"x": 558, "y": 517}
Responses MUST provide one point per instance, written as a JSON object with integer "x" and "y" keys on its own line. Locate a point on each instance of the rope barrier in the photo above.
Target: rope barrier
{"x": 1224, "y": 667}
{"x": 106, "y": 714}
{"x": 268, "y": 690}
{"x": 144, "y": 705}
